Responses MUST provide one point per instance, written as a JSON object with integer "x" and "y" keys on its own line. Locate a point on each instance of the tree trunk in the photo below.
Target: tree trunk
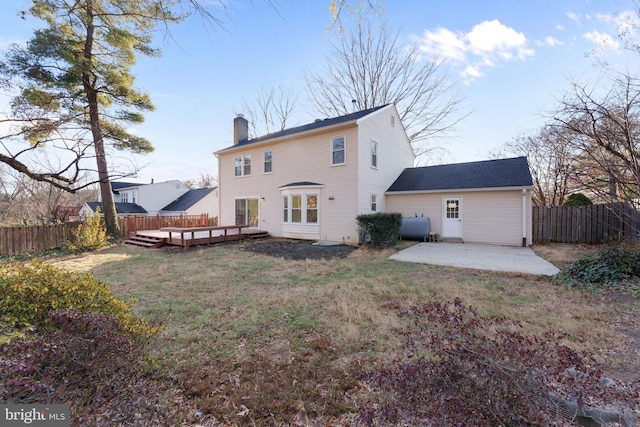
{"x": 88, "y": 81}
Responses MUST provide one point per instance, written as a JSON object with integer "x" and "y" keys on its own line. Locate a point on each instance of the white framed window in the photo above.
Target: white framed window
{"x": 296, "y": 208}
{"x": 246, "y": 167}
{"x": 268, "y": 161}
{"x": 285, "y": 199}
{"x": 338, "y": 151}
{"x": 300, "y": 208}
{"x": 312, "y": 208}
{"x": 125, "y": 197}
{"x": 238, "y": 166}
{"x": 374, "y": 203}
{"x": 374, "y": 154}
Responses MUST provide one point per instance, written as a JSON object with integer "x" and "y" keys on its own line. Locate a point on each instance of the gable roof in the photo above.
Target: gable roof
{"x": 188, "y": 199}
{"x": 121, "y": 208}
{"x": 115, "y": 186}
{"x": 513, "y": 172}
{"x": 318, "y": 124}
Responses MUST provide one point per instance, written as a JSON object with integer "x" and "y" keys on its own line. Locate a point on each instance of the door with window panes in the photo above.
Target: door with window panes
{"x": 247, "y": 212}
{"x": 452, "y": 217}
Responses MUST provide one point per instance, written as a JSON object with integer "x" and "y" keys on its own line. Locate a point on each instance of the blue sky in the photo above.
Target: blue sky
{"x": 512, "y": 59}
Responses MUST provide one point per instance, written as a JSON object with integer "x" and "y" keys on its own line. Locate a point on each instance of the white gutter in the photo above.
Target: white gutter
{"x": 524, "y": 217}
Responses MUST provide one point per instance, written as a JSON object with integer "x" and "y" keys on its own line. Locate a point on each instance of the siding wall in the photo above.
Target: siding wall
{"x": 346, "y": 190}
{"x": 306, "y": 158}
{"x": 394, "y": 155}
{"x": 493, "y": 217}
{"x": 154, "y": 197}
{"x": 208, "y": 204}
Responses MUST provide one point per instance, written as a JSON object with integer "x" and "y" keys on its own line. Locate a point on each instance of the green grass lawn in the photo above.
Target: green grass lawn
{"x": 251, "y": 337}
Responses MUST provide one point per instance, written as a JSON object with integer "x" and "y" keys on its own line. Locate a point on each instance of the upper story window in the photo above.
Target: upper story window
{"x": 247, "y": 165}
{"x": 374, "y": 154}
{"x": 238, "y": 166}
{"x": 124, "y": 197}
{"x": 242, "y": 165}
{"x": 268, "y": 161}
{"x": 338, "y": 151}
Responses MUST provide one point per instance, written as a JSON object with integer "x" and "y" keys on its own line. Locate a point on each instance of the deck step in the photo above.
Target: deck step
{"x": 145, "y": 241}
{"x": 258, "y": 235}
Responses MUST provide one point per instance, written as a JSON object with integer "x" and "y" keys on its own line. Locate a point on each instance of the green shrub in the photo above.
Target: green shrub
{"x": 613, "y": 268}
{"x": 89, "y": 236}
{"x": 380, "y": 229}
{"x": 577, "y": 199}
{"x": 30, "y": 292}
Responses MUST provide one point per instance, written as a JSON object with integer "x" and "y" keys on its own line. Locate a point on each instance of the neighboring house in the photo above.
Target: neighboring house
{"x": 152, "y": 197}
{"x": 310, "y": 182}
{"x": 194, "y": 202}
{"x": 119, "y": 197}
{"x": 487, "y": 201}
{"x": 164, "y": 198}
{"x": 122, "y": 209}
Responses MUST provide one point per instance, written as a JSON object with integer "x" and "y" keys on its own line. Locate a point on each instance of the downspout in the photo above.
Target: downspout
{"x": 524, "y": 217}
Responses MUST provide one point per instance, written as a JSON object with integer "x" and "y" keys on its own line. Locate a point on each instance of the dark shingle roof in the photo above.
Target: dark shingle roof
{"x": 121, "y": 208}
{"x": 512, "y": 172}
{"x": 299, "y": 184}
{"x": 188, "y": 199}
{"x": 310, "y": 126}
{"x": 115, "y": 186}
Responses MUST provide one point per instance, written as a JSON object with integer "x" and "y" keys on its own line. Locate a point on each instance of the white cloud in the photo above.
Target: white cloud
{"x": 549, "y": 41}
{"x": 573, "y": 16}
{"x": 443, "y": 43}
{"x": 488, "y": 44}
{"x": 560, "y": 27}
{"x": 601, "y": 41}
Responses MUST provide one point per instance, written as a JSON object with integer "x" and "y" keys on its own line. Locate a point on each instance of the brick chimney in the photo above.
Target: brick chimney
{"x": 240, "y": 129}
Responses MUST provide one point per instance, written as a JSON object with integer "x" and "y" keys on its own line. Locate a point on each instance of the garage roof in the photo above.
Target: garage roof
{"x": 513, "y": 172}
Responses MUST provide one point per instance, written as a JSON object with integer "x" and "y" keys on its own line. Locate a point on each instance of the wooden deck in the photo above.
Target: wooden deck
{"x": 192, "y": 236}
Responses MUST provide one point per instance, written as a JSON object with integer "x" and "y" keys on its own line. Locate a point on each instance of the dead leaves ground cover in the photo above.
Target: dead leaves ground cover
{"x": 252, "y": 339}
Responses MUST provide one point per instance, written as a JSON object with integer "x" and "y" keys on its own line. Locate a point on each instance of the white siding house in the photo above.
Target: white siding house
{"x": 194, "y": 202}
{"x": 153, "y": 197}
{"x": 312, "y": 181}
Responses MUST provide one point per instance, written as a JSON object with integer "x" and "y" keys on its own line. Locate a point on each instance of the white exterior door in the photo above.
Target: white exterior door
{"x": 452, "y": 217}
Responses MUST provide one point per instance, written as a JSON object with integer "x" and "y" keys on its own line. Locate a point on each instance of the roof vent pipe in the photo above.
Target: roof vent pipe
{"x": 353, "y": 103}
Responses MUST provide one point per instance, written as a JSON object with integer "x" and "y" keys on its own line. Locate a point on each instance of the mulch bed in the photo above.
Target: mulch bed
{"x": 299, "y": 249}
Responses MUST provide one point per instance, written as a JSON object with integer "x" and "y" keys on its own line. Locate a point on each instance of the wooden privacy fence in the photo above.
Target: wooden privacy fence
{"x": 36, "y": 238}
{"x": 586, "y": 224}
{"x": 41, "y": 238}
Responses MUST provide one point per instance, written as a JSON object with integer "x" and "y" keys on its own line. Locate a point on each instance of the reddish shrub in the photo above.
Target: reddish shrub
{"x": 461, "y": 369}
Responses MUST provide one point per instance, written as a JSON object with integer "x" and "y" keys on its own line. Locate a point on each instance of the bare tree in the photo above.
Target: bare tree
{"x": 369, "y": 66}
{"x": 269, "y": 110}
{"x": 603, "y": 124}
{"x": 27, "y": 201}
{"x": 551, "y": 161}
{"x": 203, "y": 181}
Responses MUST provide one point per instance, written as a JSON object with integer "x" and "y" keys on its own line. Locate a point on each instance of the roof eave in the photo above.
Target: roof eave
{"x": 510, "y": 188}
{"x": 283, "y": 138}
